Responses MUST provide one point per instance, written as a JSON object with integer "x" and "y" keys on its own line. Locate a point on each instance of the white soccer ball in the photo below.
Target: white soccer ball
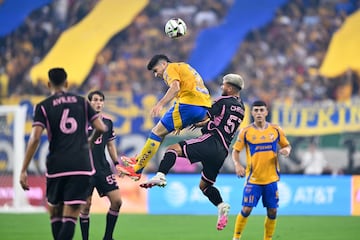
{"x": 175, "y": 27}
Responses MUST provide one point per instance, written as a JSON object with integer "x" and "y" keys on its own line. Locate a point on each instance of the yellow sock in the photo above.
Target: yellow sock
{"x": 151, "y": 146}
{"x": 269, "y": 228}
{"x": 239, "y": 226}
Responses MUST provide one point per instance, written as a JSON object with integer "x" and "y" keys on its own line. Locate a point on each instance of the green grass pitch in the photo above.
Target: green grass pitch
{"x": 186, "y": 227}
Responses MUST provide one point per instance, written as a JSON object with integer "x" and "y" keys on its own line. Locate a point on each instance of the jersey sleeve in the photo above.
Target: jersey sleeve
{"x": 215, "y": 109}
{"x": 283, "y": 141}
{"x": 39, "y": 116}
{"x": 240, "y": 141}
{"x": 91, "y": 113}
{"x": 112, "y": 132}
{"x": 171, "y": 74}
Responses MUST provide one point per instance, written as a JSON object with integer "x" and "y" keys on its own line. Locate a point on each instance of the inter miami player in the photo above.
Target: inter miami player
{"x": 69, "y": 163}
{"x": 104, "y": 180}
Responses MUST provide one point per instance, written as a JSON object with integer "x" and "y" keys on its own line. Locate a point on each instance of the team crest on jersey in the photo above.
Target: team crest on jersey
{"x": 271, "y": 136}
{"x": 253, "y": 137}
{"x": 263, "y": 137}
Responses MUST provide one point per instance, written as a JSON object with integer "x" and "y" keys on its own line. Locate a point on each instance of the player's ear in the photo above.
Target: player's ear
{"x": 66, "y": 84}
{"x": 49, "y": 84}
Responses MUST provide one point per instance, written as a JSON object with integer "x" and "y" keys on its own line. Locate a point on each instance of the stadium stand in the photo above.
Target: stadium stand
{"x": 280, "y": 59}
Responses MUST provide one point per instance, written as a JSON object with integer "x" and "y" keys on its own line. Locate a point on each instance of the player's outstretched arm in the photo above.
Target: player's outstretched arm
{"x": 33, "y": 144}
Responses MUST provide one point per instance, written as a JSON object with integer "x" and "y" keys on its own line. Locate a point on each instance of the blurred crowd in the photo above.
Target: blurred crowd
{"x": 280, "y": 60}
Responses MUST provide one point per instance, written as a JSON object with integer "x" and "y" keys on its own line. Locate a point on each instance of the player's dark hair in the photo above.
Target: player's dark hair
{"x": 258, "y": 103}
{"x": 155, "y": 59}
{"x": 96, "y": 92}
{"x": 57, "y": 76}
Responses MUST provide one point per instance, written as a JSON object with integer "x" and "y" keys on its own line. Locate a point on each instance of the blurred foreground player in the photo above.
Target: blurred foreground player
{"x": 69, "y": 162}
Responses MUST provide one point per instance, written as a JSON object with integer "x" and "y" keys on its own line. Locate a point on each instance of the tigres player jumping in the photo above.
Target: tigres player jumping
{"x": 191, "y": 105}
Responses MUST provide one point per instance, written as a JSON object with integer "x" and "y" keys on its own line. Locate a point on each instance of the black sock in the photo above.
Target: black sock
{"x": 213, "y": 195}
{"x": 56, "y": 224}
{"x": 168, "y": 162}
{"x": 68, "y": 229}
{"x": 84, "y": 226}
{"x": 111, "y": 218}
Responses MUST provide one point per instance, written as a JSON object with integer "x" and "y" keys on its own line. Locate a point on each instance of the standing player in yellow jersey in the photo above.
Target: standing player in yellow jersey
{"x": 261, "y": 140}
{"x": 191, "y": 105}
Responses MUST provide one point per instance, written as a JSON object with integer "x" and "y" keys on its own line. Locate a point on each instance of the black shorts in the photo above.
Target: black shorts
{"x": 104, "y": 182}
{"x": 68, "y": 189}
{"x": 208, "y": 150}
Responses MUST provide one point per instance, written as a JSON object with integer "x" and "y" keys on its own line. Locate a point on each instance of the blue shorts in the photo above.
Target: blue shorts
{"x": 268, "y": 192}
{"x": 181, "y": 116}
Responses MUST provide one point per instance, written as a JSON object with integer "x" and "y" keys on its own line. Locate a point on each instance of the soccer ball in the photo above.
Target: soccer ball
{"x": 175, "y": 27}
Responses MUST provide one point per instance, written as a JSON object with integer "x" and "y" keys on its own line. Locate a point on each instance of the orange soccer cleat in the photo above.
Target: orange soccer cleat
{"x": 128, "y": 171}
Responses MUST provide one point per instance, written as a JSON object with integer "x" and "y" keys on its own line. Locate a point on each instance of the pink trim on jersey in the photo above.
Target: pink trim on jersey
{"x": 195, "y": 140}
{"x": 185, "y": 152}
{"x": 48, "y": 129}
{"x": 84, "y": 215}
{"x": 173, "y": 151}
{"x": 74, "y": 202}
{"x": 38, "y": 124}
{"x": 112, "y": 212}
{"x": 106, "y": 116}
{"x": 94, "y": 117}
{"x": 216, "y": 122}
{"x": 63, "y": 174}
{"x": 202, "y": 175}
{"x": 56, "y": 219}
{"x": 92, "y": 162}
{"x": 222, "y": 137}
{"x": 198, "y": 139}
{"x": 69, "y": 219}
{"x": 217, "y": 119}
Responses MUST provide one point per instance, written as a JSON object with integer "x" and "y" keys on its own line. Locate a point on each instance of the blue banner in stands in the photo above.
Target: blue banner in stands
{"x": 14, "y": 12}
{"x": 216, "y": 46}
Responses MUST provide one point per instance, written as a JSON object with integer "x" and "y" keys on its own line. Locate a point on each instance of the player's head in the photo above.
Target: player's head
{"x": 259, "y": 111}
{"x": 96, "y": 99}
{"x": 232, "y": 84}
{"x": 158, "y": 64}
{"x": 57, "y": 77}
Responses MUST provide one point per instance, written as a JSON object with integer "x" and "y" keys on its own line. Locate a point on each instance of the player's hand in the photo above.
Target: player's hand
{"x": 23, "y": 181}
{"x": 177, "y": 132}
{"x": 239, "y": 170}
{"x": 155, "y": 111}
{"x": 199, "y": 124}
{"x": 285, "y": 151}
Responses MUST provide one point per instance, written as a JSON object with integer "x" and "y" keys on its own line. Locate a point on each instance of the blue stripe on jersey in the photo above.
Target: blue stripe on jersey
{"x": 262, "y": 147}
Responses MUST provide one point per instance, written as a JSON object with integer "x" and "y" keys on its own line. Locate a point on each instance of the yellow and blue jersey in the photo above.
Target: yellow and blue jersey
{"x": 192, "y": 88}
{"x": 262, "y": 165}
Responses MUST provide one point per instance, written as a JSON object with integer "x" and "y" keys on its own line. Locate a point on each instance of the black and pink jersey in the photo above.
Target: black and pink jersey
{"x": 66, "y": 117}
{"x": 98, "y": 149}
{"x": 226, "y": 114}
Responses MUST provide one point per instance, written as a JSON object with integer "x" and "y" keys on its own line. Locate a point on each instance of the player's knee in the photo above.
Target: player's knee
{"x": 116, "y": 204}
{"x": 246, "y": 211}
{"x": 204, "y": 186}
{"x": 85, "y": 209}
{"x": 271, "y": 213}
{"x": 175, "y": 147}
